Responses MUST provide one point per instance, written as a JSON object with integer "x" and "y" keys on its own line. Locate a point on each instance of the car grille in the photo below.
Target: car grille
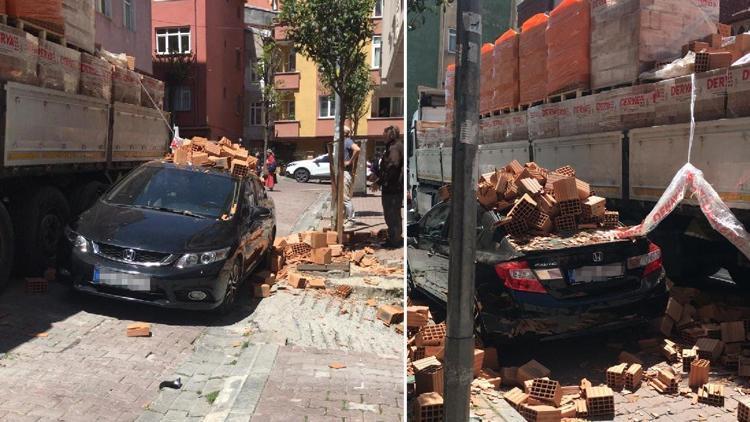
{"x": 138, "y": 257}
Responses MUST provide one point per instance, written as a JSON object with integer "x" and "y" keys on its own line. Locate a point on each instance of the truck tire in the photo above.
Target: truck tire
{"x": 6, "y": 246}
{"x": 85, "y": 196}
{"x": 41, "y": 216}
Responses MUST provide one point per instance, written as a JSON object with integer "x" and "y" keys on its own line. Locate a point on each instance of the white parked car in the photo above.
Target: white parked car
{"x": 318, "y": 168}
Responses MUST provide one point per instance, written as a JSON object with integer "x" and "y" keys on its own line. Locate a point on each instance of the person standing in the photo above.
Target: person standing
{"x": 391, "y": 181}
{"x": 351, "y": 155}
{"x": 270, "y": 169}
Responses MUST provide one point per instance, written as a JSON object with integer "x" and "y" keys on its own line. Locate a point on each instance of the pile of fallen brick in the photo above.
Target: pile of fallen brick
{"x": 223, "y": 154}
{"x": 533, "y": 394}
{"x": 326, "y": 253}
{"x": 539, "y": 202}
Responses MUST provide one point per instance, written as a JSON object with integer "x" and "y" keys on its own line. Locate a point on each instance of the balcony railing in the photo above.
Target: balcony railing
{"x": 286, "y": 129}
{"x": 286, "y": 80}
{"x": 376, "y": 125}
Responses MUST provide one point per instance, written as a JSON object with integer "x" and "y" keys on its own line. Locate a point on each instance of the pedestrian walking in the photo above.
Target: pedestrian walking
{"x": 351, "y": 155}
{"x": 390, "y": 178}
{"x": 270, "y": 170}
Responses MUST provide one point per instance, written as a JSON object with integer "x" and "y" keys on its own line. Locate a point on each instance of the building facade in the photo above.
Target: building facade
{"x": 305, "y": 122}
{"x": 122, "y": 26}
{"x": 737, "y": 14}
{"x": 199, "y": 54}
{"x": 432, "y": 44}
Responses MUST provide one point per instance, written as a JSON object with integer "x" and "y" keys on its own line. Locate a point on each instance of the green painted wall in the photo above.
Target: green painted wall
{"x": 423, "y": 43}
{"x": 495, "y": 19}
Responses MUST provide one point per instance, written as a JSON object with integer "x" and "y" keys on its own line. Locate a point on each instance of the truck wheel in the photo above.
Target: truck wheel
{"x": 302, "y": 175}
{"x": 41, "y": 216}
{"x": 6, "y": 246}
{"x": 86, "y": 195}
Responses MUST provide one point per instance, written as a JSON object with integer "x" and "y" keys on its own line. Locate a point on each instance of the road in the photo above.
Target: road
{"x": 64, "y": 357}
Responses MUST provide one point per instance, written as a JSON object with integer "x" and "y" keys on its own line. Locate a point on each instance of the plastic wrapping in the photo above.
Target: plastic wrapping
{"x": 517, "y": 127}
{"x": 568, "y": 47}
{"x": 679, "y": 67}
{"x": 59, "y": 67}
{"x": 96, "y": 77}
{"x": 738, "y": 91}
{"x": 45, "y": 13}
{"x": 80, "y": 19}
{"x": 18, "y": 56}
{"x": 532, "y": 65}
{"x": 635, "y": 106}
{"x": 126, "y": 86}
{"x": 543, "y": 120}
{"x": 450, "y": 86}
{"x": 690, "y": 180}
{"x": 629, "y": 36}
{"x": 155, "y": 89}
{"x": 579, "y": 116}
{"x": 672, "y": 98}
{"x": 486, "y": 80}
{"x": 505, "y": 66}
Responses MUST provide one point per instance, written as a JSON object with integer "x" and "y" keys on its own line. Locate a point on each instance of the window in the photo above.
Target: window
{"x": 182, "y": 99}
{"x": 291, "y": 61}
{"x": 286, "y": 107}
{"x": 256, "y": 114}
{"x": 377, "y": 49}
{"x": 274, "y": 5}
{"x": 388, "y": 107}
{"x": 378, "y": 9}
{"x": 173, "y": 41}
{"x": 128, "y": 14}
{"x": 451, "y": 40}
{"x": 237, "y": 58}
{"x": 104, "y": 7}
{"x": 327, "y": 106}
{"x": 254, "y": 76}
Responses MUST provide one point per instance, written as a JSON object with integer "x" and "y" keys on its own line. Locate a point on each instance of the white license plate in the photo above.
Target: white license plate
{"x": 119, "y": 279}
{"x": 595, "y": 273}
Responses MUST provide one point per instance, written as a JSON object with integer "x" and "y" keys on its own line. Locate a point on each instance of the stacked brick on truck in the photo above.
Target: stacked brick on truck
{"x": 64, "y": 137}
{"x": 627, "y": 134}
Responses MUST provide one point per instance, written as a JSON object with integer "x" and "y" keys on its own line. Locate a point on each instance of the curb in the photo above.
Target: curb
{"x": 309, "y": 219}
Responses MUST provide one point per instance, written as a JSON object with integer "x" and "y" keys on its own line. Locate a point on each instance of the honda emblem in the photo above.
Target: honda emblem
{"x": 598, "y": 256}
{"x": 128, "y": 254}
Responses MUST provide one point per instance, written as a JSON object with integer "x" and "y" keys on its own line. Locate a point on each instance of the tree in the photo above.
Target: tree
{"x": 268, "y": 63}
{"x": 416, "y": 8}
{"x": 360, "y": 104}
{"x": 333, "y": 34}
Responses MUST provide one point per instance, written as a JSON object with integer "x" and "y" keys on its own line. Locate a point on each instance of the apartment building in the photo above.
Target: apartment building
{"x": 199, "y": 48}
{"x": 122, "y": 26}
{"x": 305, "y": 122}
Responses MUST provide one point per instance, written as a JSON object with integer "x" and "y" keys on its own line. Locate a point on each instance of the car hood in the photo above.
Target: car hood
{"x": 153, "y": 230}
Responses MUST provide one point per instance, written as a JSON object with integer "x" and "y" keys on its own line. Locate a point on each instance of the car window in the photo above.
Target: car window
{"x": 322, "y": 159}
{"x": 260, "y": 191}
{"x": 434, "y": 222}
{"x": 176, "y": 190}
{"x": 250, "y": 195}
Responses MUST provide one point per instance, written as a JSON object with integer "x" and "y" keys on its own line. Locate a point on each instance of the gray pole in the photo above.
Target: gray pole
{"x": 338, "y": 155}
{"x": 459, "y": 354}
{"x": 513, "y": 15}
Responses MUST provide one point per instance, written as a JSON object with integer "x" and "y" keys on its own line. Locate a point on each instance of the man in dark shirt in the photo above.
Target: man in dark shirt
{"x": 391, "y": 181}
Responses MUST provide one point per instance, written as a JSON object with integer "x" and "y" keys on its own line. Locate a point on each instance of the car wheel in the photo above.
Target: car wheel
{"x": 232, "y": 279}
{"x": 302, "y": 175}
{"x": 6, "y": 246}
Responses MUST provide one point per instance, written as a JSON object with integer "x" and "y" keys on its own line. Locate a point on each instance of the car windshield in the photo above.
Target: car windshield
{"x": 175, "y": 190}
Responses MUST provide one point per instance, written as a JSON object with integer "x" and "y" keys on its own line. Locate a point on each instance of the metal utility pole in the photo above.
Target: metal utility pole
{"x": 514, "y": 14}
{"x": 459, "y": 353}
{"x": 340, "y": 112}
{"x": 336, "y": 172}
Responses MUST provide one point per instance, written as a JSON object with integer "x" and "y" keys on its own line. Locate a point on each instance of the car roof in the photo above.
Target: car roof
{"x": 198, "y": 169}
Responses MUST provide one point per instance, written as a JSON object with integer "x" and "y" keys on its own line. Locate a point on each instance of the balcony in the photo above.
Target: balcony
{"x": 286, "y": 81}
{"x": 279, "y": 32}
{"x": 286, "y": 129}
{"x": 375, "y": 76}
{"x": 376, "y": 125}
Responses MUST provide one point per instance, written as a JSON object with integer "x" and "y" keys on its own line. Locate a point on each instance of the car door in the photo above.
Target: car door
{"x": 267, "y": 224}
{"x": 252, "y": 229}
{"x": 428, "y": 253}
{"x": 321, "y": 167}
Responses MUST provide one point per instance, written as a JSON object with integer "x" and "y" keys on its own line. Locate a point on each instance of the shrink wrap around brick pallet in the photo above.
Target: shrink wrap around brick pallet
{"x": 635, "y": 106}
{"x": 580, "y": 116}
{"x": 96, "y": 77}
{"x": 59, "y": 67}
{"x": 45, "y": 13}
{"x": 543, "y": 120}
{"x": 18, "y": 55}
{"x": 517, "y": 128}
{"x": 532, "y": 65}
{"x": 672, "y": 98}
{"x": 126, "y": 87}
{"x": 505, "y": 65}
{"x": 80, "y": 19}
{"x": 486, "y": 79}
{"x": 450, "y": 85}
{"x": 155, "y": 89}
{"x": 738, "y": 91}
{"x": 629, "y": 36}
{"x": 568, "y": 46}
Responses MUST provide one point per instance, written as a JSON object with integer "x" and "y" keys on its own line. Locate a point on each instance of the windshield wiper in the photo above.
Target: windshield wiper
{"x": 169, "y": 210}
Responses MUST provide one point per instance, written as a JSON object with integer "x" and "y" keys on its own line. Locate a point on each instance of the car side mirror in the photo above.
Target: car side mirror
{"x": 260, "y": 213}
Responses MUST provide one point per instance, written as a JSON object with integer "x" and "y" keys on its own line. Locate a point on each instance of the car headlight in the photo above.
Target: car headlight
{"x": 202, "y": 258}
{"x": 79, "y": 242}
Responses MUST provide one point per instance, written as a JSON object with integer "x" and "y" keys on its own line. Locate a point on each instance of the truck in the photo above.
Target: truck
{"x": 60, "y": 151}
{"x": 631, "y": 169}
